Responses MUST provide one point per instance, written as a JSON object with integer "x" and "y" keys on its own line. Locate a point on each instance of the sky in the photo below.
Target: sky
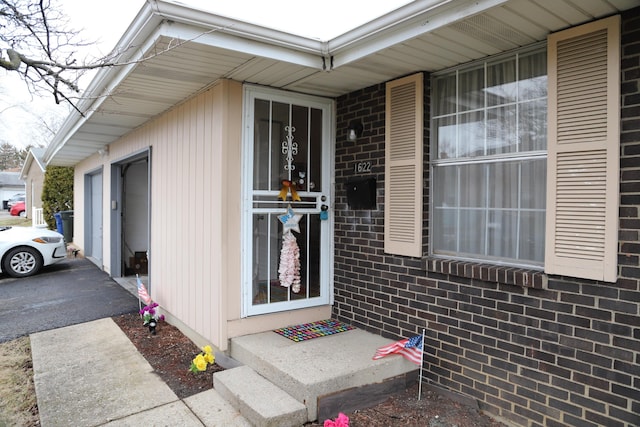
{"x": 104, "y": 22}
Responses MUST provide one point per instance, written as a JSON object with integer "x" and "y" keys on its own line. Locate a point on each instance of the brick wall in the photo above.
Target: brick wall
{"x": 565, "y": 352}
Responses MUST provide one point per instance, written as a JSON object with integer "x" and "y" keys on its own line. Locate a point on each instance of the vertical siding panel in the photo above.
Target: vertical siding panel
{"x": 187, "y": 188}
{"x": 206, "y": 249}
{"x": 218, "y": 181}
{"x": 170, "y": 187}
{"x": 193, "y": 237}
{"x": 176, "y": 187}
{"x": 188, "y": 284}
{"x": 210, "y": 202}
{"x": 200, "y": 213}
{"x": 159, "y": 217}
{"x": 154, "y": 215}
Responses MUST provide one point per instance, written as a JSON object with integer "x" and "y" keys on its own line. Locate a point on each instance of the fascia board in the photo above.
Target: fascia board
{"x": 25, "y": 166}
{"x": 252, "y": 46}
{"x": 37, "y": 157}
{"x": 198, "y": 18}
{"x": 413, "y": 20}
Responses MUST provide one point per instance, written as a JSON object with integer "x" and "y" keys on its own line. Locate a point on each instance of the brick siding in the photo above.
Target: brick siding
{"x": 533, "y": 350}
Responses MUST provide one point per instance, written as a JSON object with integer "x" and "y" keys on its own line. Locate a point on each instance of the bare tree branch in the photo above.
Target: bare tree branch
{"x": 37, "y": 42}
{"x": 14, "y": 61}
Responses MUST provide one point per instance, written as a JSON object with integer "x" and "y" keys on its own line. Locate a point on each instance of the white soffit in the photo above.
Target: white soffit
{"x": 191, "y": 49}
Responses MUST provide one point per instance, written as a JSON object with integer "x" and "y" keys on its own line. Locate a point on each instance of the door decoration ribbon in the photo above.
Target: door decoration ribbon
{"x": 289, "y": 187}
{"x": 289, "y": 269}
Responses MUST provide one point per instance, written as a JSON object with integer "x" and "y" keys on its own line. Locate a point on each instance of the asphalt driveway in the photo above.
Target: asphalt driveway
{"x": 69, "y": 292}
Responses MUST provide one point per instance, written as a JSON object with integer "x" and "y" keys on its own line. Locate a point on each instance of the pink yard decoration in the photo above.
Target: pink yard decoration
{"x": 341, "y": 421}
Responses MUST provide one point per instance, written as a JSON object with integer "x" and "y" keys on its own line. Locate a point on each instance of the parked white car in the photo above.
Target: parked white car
{"x": 25, "y": 250}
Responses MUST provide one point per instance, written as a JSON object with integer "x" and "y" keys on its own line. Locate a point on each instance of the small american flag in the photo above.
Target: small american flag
{"x": 142, "y": 292}
{"x": 409, "y": 348}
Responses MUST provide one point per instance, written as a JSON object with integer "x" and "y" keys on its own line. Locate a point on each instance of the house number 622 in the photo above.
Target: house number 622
{"x": 363, "y": 167}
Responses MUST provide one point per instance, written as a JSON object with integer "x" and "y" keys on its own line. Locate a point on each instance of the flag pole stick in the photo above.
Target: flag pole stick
{"x": 421, "y": 363}
{"x": 138, "y": 289}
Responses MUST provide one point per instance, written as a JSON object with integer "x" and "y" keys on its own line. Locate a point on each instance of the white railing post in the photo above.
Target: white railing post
{"x": 37, "y": 217}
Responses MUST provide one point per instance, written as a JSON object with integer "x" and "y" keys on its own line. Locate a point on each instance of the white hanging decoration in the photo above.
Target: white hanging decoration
{"x": 289, "y": 271}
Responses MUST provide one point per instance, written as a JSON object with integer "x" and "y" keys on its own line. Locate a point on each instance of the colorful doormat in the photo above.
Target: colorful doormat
{"x": 308, "y": 331}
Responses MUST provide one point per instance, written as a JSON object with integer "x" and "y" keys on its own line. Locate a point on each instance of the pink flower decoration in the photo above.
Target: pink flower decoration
{"x": 341, "y": 421}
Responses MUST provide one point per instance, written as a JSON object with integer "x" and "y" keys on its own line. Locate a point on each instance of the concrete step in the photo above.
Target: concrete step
{"x": 258, "y": 400}
{"x": 213, "y": 410}
{"x": 319, "y": 371}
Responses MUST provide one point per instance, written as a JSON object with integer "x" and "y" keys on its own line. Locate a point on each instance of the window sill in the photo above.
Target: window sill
{"x": 527, "y": 278}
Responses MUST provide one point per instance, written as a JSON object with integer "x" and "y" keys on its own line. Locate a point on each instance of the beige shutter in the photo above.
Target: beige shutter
{"x": 583, "y": 148}
{"x": 403, "y": 166}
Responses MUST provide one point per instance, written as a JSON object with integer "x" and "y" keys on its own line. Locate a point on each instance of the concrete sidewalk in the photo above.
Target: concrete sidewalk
{"x": 90, "y": 374}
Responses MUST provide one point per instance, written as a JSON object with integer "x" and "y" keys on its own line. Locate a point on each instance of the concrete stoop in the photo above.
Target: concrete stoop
{"x": 285, "y": 383}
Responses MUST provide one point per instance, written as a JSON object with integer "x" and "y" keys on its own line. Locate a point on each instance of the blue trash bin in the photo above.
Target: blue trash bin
{"x": 58, "y": 218}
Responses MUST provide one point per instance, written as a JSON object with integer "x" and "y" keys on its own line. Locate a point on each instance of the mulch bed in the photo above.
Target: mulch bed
{"x": 170, "y": 353}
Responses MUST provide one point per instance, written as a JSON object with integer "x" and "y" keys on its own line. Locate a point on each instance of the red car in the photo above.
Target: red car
{"x": 18, "y": 209}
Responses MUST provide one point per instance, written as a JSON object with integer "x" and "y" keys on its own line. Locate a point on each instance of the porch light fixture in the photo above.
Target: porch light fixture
{"x": 355, "y": 130}
{"x": 104, "y": 151}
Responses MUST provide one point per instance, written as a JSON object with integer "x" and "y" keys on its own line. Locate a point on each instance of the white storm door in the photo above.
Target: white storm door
{"x": 288, "y": 152}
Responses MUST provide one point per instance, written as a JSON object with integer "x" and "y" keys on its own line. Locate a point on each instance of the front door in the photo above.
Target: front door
{"x": 288, "y": 218}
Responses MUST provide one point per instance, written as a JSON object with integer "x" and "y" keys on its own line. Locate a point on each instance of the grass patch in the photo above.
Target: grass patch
{"x": 18, "y": 405}
{"x": 15, "y": 220}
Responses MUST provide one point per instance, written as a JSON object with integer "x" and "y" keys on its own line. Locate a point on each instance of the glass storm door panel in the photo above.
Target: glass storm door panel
{"x": 288, "y": 147}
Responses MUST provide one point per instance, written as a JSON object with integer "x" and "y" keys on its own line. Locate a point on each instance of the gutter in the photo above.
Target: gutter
{"x": 408, "y": 22}
{"x": 176, "y": 12}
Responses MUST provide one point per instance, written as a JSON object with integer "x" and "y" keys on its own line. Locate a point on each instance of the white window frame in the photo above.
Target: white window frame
{"x": 486, "y": 159}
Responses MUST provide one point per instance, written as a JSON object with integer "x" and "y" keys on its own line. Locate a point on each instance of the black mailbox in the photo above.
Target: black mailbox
{"x": 361, "y": 193}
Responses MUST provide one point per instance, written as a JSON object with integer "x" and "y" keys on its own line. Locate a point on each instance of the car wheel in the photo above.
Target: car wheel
{"x": 22, "y": 262}
{"x": 22, "y": 214}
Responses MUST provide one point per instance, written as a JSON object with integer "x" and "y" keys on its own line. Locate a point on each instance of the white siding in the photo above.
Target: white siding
{"x": 194, "y": 251}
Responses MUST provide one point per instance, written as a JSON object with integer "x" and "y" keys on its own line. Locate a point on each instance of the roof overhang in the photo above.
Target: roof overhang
{"x": 171, "y": 52}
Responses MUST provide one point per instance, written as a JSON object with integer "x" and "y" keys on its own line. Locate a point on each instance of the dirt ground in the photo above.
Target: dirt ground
{"x": 170, "y": 353}
{"x": 18, "y": 405}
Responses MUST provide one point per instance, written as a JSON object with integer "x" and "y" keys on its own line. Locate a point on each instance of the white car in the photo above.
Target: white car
{"x": 25, "y": 250}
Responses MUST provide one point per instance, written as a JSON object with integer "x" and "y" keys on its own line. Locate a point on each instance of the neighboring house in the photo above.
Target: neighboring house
{"x": 489, "y": 195}
{"x": 10, "y": 185}
{"x": 32, "y": 174}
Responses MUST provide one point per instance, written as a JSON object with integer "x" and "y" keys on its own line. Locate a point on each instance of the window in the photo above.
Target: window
{"x": 489, "y": 160}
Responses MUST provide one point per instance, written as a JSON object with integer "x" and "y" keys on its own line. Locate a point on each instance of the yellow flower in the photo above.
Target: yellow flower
{"x": 210, "y": 358}
{"x": 207, "y": 349}
{"x": 200, "y": 362}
